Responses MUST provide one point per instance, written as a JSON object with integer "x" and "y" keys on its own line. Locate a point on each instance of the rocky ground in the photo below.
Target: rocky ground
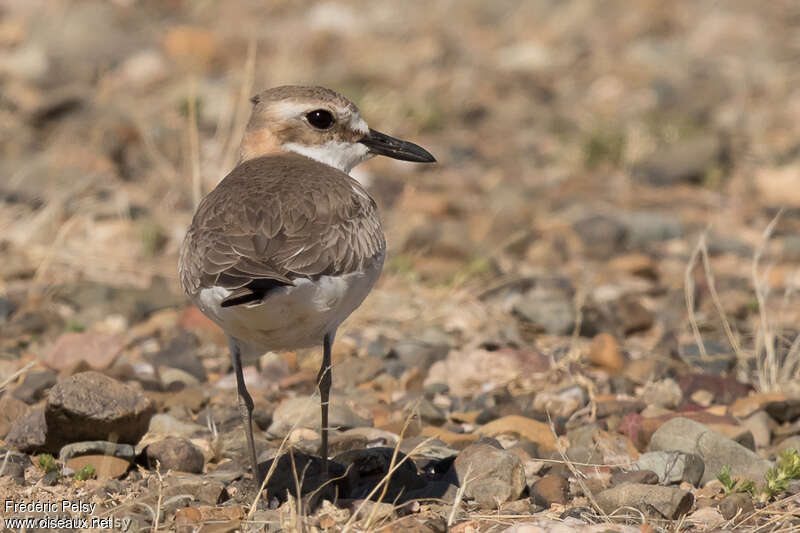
{"x": 588, "y": 320}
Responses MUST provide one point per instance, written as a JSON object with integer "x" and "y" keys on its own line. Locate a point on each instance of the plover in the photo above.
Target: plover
{"x": 288, "y": 244}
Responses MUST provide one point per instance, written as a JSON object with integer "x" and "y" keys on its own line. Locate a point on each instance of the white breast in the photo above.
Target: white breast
{"x": 291, "y": 317}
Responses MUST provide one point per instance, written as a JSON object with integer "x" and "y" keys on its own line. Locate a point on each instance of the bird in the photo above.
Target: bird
{"x": 288, "y": 244}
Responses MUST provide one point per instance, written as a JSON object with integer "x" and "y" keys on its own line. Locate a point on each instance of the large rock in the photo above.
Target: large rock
{"x": 489, "y": 474}
{"x": 716, "y": 450}
{"x": 93, "y": 406}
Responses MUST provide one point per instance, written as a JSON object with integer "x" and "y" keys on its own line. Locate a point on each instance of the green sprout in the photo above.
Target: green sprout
{"x": 776, "y": 480}
{"x": 47, "y": 463}
{"x": 87, "y": 472}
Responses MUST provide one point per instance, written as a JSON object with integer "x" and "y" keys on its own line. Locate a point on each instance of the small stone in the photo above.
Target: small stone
{"x": 98, "y": 350}
{"x": 51, "y": 479}
{"x": 14, "y": 471}
{"x": 738, "y": 504}
{"x": 665, "y": 393}
{"x": 669, "y": 502}
{"x": 673, "y": 466}
{"x": 550, "y": 489}
{"x": 685, "y": 161}
{"x": 759, "y": 425}
{"x": 706, "y": 518}
{"x": 604, "y": 352}
{"x": 92, "y": 406}
{"x": 29, "y": 433}
{"x": 631, "y": 315}
{"x": 35, "y": 385}
{"x": 646, "y": 477}
{"x": 489, "y": 474}
{"x": 548, "y": 310}
{"x": 785, "y": 410}
{"x": 200, "y": 488}
{"x": 718, "y": 361}
{"x": 175, "y": 453}
{"x": 304, "y": 412}
{"x": 11, "y": 410}
{"x": 602, "y": 235}
{"x": 533, "y": 430}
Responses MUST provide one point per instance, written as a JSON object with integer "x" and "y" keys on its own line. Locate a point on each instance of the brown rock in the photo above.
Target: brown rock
{"x": 92, "y": 406}
{"x": 550, "y": 489}
{"x": 743, "y": 407}
{"x": 604, "y": 352}
{"x": 738, "y": 504}
{"x": 489, "y": 475}
{"x": 98, "y": 350}
{"x": 646, "y": 477}
{"x": 668, "y": 502}
{"x": 29, "y": 433}
{"x": 11, "y": 410}
{"x": 533, "y": 430}
{"x": 175, "y": 453}
{"x": 106, "y": 466}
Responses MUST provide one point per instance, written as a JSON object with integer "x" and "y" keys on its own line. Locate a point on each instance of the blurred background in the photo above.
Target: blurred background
{"x": 601, "y": 164}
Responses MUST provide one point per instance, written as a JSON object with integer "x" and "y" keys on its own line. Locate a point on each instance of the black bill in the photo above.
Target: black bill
{"x": 381, "y": 144}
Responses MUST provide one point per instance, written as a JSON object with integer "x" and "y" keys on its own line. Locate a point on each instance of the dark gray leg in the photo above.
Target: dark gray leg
{"x": 324, "y": 380}
{"x": 245, "y": 405}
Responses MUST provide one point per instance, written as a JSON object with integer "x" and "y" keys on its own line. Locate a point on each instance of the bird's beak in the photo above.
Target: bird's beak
{"x": 381, "y": 144}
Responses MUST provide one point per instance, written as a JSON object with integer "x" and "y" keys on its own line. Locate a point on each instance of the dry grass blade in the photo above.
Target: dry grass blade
{"x": 766, "y": 358}
{"x": 459, "y": 496}
{"x": 712, "y": 288}
{"x": 15, "y": 375}
{"x": 689, "y": 288}
{"x": 160, "y": 496}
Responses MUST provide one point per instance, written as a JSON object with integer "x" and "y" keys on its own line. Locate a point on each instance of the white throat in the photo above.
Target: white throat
{"x": 336, "y": 154}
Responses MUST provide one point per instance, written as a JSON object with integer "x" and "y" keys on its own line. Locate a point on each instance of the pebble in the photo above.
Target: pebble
{"x": 737, "y": 504}
{"x": 550, "y": 489}
{"x": 175, "y": 453}
{"x": 98, "y": 350}
{"x": 646, "y": 477}
{"x": 304, "y": 412}
{"x": 605, "y": 353}
{"x": 673, "y": 466}
{"x": 669, "y": 502}
{"x": 11, "y": 410}
{"x": 489, "y": 474}
{"x": 665, "y": 393}
{"x": 35, "y": 385}
{"x": 533, "y": 430}
{"x": 29, "y": 433}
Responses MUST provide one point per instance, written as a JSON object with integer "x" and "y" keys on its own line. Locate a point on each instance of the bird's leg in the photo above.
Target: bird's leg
{"x": 324, "y": 382}
{"x": 245, "y": 405}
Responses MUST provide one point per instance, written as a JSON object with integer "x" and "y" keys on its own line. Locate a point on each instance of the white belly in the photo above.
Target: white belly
{"x": 290, "y": 317}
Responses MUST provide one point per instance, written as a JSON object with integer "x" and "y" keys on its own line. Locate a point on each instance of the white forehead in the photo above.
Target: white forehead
{"x": 288, "y": 110}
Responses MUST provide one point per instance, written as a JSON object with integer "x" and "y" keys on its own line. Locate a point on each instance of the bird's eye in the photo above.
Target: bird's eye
{"x": 320, "y": 119}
